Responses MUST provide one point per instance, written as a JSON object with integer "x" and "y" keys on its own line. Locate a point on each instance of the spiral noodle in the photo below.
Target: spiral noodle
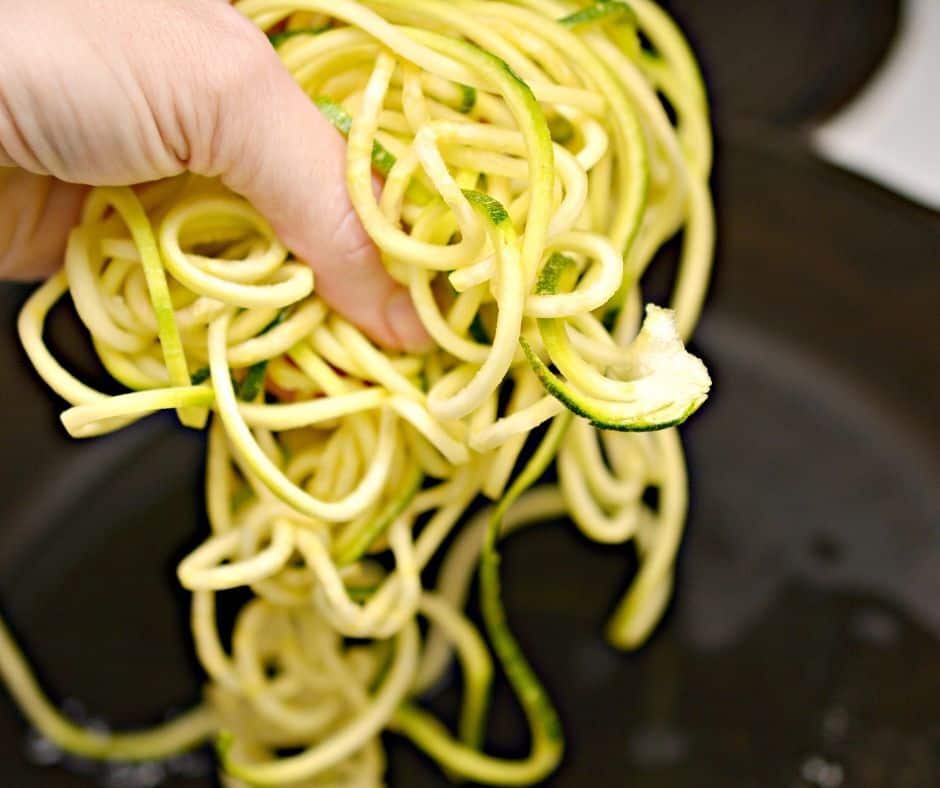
{"x": 531, "y": 171}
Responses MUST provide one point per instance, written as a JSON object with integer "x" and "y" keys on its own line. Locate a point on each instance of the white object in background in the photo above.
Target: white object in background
{"x": 891, "y": 131}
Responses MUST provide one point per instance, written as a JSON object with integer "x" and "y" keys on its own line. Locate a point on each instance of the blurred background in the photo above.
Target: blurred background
{"x": 803, "y": 645}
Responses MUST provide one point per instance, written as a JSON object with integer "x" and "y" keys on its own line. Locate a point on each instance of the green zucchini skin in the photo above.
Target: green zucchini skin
{"x": 657, "y": 348}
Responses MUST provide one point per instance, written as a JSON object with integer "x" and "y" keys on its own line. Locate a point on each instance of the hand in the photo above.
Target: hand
{"x": 115, "y": 92}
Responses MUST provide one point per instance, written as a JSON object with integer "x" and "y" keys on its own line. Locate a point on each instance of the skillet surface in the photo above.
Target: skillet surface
{"x": 802, "y": 646}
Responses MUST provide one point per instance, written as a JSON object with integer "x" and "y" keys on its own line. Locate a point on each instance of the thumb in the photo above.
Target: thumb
{"x": 269, "y": 143}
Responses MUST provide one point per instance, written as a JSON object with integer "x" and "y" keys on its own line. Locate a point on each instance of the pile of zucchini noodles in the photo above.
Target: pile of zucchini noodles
{"x": 531, "y": 170}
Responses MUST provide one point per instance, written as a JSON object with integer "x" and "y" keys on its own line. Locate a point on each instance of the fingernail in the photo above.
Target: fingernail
{"x": 405, "y": 325}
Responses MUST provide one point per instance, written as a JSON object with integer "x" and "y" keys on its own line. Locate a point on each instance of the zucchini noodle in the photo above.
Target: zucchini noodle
{"x": 531, "y": 172}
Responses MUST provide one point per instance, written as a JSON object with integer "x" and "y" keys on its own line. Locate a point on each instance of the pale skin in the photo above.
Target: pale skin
{"x": 107, "y": 92}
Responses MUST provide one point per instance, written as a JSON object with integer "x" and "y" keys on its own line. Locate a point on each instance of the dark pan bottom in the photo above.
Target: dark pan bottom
{"x": 802, "y": 646}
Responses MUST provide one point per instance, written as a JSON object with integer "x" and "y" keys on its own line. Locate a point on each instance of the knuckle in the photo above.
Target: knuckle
{"x": 232, "y": 65}
{"x": 352, "y": 243}
{"x": 8, "y": 266}
{"x": 20, "y": 263}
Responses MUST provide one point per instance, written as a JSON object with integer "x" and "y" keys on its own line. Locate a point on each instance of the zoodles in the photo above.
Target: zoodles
{"x": 531, "y": 172}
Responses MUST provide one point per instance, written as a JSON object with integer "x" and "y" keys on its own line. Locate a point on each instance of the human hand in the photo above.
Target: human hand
{"x": 103, "y": 92}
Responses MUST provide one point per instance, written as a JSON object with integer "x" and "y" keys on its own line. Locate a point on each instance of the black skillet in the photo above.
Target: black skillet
{"x": 804, "y": 640}
{"x": 789, "y": 63}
